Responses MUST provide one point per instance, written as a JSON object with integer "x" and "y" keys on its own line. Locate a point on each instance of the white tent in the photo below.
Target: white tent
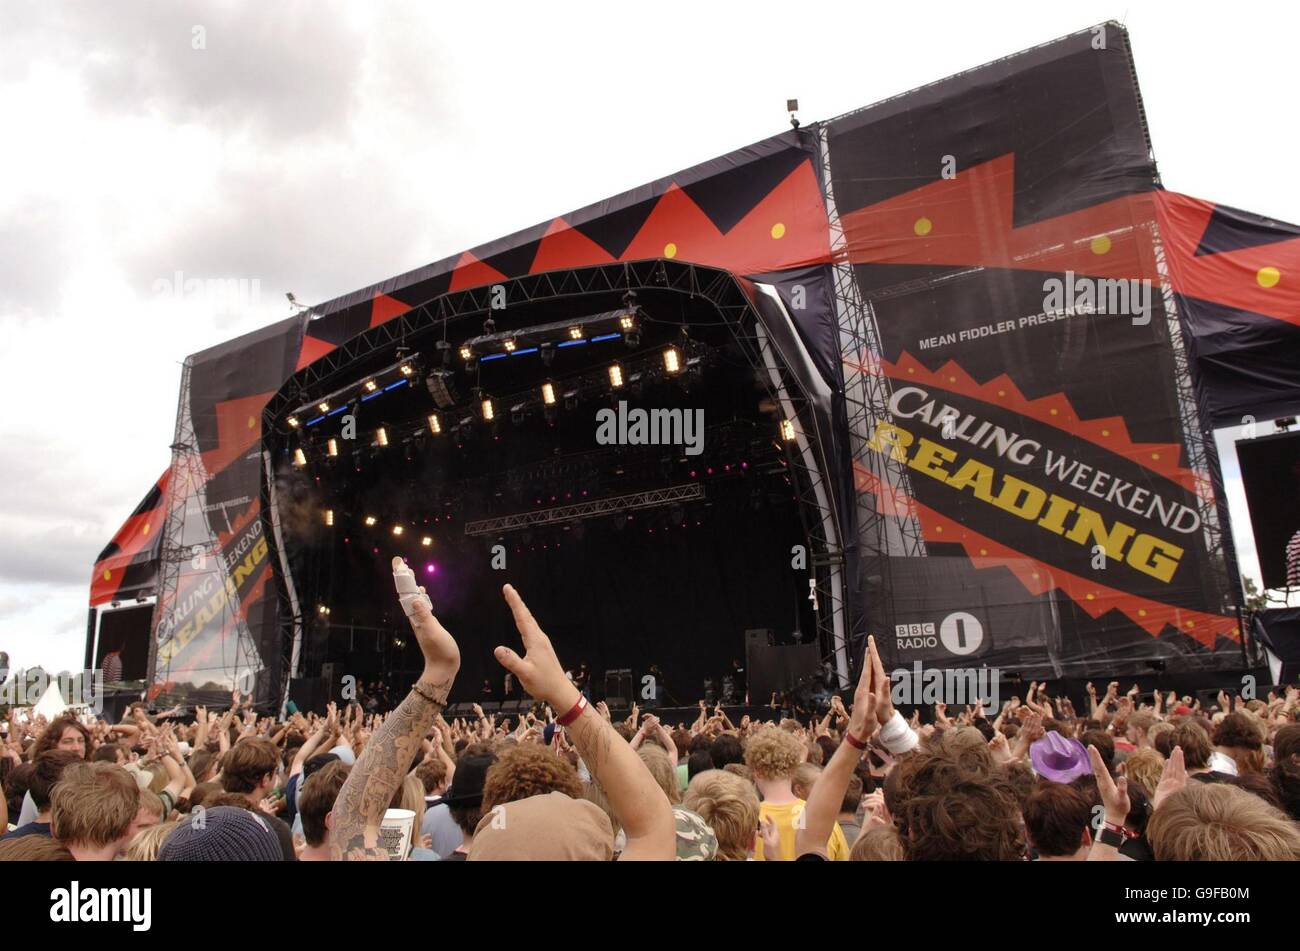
{"x": 51, "y": 704}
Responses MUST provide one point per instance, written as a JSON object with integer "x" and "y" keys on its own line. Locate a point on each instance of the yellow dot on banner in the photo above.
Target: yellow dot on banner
{"x": 1191, "y": 624}
{"x": 984, "y": 551}
{"x": 1101, "y": 244}
{"x": 145, "y": 530}
{"x": 911, "y": 369}
{"x": 1142, "y": 612}
{"x": 923, "y": 226}
{"x": 670, "y": 250}
{"x": 1035, "y": 576}
{"x": 251, "y": 422}
{"x": 952, "y": 379}
{"x": 1268, "y": 276}
{"x": 1002, "y": 392}
{"x": 1053, "y": 412}
{"x": 108, "y": 575}
{"x": 1091, "y": 596}
{"x": 939, "y": 529}
{"x": 1155, "y": 456}
{"x": 1105, "y": 432}
{"x": 778, "y": 230}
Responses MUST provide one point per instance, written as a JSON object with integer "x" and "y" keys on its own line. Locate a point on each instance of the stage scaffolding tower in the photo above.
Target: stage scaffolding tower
{"x": 887, "y": 525}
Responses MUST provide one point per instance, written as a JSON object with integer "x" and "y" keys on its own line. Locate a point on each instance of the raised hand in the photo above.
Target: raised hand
{"x": 1172, "y": 778}
{"x": 1114, "y": 792}
{"x": 441, "y": 655}
{"x": 539, "y": 670}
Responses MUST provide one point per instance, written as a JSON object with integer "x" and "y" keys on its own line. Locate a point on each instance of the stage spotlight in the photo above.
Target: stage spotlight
{"x": 430, "y": 568}
{"x": 632, "y": 338}
{"x": 407, "y": 369}
{"x": 627, "y": 322}
{"x": 332, "y": 447}
{"x": 371, "y": 386}
{"x": 615, "y": 376}
{"x": 517, "y": 414}
{"x": 575, "y": 333}
{"x": 397, "y": 530}
{"x": 323, "y": 406}
{"x": 299, "y": 457}
{"x": 510, "y": 346}
{"x": 329, "y": 516}
{"x": 488, "y": 412}
{"x": 370, "y": 521}
{"x": 787, "y": 430}
{"x": 672, "y": 361}
{"x": 466, "y": 353}
{"x": 547, "y": 350}
{"x": 426, "y": 541}
{"x": 381, "y": 436}
{"x": 435, "y": 425}
{"x": 322, "y": 610}
{"x": 293, "y": 422}
{"x": 548, "y": 393}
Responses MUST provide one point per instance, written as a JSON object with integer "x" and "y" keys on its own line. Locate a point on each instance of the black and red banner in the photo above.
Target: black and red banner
{"x": 1038, "y": 438}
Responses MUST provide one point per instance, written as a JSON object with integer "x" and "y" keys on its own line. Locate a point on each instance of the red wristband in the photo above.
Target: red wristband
{"x": 574, "y": 713}
{"x": 853, "y": 741}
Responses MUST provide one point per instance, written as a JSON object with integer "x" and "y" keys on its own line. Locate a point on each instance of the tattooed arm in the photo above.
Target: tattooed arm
{"x": 635, "y": 797}
{"x": 388, "y": 755}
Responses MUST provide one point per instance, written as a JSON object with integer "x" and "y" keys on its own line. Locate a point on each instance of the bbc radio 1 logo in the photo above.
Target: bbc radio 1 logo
{"x": 960, "y": 633}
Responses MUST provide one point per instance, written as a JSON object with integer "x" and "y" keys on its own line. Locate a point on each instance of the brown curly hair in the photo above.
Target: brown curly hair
{"x": 947, "y": 811}
{"x": 528, "y": 770}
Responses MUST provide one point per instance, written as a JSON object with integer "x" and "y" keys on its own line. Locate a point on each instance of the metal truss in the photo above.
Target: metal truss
{"x": 185, "y": 505}
{"x": 581, "y": 510}
{"x": 1220, "y": 575}
{"x": 718, "y": 287}
{"x": 881, "y": 531}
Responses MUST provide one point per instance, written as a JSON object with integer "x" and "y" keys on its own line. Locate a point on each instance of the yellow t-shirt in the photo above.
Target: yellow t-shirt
{"x": 786, "y": 816}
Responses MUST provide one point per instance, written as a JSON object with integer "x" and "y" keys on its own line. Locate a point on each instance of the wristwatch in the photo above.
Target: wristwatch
{"x": 1110, "y": 836}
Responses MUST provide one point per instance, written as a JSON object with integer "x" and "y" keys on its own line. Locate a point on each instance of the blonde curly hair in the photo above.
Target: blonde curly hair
{"x": 774, "y": 754}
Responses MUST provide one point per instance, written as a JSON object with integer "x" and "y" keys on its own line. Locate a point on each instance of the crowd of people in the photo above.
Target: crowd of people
{"x": 1035, "y": 780}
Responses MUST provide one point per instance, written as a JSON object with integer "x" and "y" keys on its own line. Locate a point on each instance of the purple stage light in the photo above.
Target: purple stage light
{"x": 430, "y": 568}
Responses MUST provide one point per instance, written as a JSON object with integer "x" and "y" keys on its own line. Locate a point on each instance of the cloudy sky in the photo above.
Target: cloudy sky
{"x": 314, "y": 146}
